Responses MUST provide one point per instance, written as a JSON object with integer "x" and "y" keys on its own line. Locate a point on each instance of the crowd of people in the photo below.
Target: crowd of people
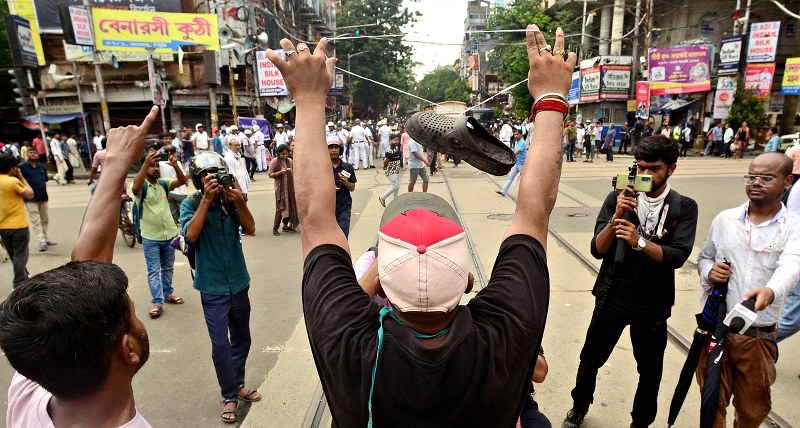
{"x": 391, "y": 343}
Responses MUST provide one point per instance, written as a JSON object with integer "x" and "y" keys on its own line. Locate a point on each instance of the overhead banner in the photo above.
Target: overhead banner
{"x": 270, "y": 80}
{"x": 723, "y": 98}
{"x": 574, "y": 94}
{"x": 730, "y": 51}
{"x": 763, "y": 43}
{"x": 247, "y": 123}
{"x": 590, "y": 85}
{"x": 758, "y": 78}
{"x": 20, "y": 36}
{"x": 679, "y": 70}
{"x": 47, "y": 10}
{"x": 166, "y": 32}
{"x": 642, "y": 100}
{"x": 791, "y": 77}
{"x": 85, "y": 54}
{"x": 615, "y": 82}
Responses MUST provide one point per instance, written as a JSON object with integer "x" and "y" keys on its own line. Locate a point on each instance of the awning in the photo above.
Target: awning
{"x": 673, "y": 106}
{"x": 54, "y": 118}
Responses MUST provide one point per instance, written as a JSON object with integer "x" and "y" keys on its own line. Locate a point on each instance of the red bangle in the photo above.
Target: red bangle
{"x": 549, "y": 105}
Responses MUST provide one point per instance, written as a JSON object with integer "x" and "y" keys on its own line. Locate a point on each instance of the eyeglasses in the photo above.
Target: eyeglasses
{"x": 766, "y": 180}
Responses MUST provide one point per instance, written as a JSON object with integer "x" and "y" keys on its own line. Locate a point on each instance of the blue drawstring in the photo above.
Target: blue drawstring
{"x": 384, "y": 311}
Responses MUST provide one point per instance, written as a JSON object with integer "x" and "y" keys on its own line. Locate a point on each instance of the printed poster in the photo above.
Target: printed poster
{"x": 758, "y": 78}
{"x": 574, "y": 94}
{"x": 723, "y": 98}
{"x": 679, "y": 70}
{"x": 642, "y": 99}
{"x": 791, "y": 77}
{"x": 730, "y": 51}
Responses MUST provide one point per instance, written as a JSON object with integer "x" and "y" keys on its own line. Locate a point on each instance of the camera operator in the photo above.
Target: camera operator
{"x": 658, "y": 230}
{"x": 211, "y": 220}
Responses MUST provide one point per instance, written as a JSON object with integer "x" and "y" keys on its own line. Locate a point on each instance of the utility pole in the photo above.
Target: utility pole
{"x": 635, "y": 65}
{"x": 80, "y": 101}
{"x": 98, "y": 76}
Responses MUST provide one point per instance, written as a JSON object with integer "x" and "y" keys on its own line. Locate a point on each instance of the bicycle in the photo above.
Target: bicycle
{"x": 126, "y": 221}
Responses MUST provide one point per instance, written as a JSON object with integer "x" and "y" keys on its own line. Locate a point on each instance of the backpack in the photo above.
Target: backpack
{"x": 137, "y": 208}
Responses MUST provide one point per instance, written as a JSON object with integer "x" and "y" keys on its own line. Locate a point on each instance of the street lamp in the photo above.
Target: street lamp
{"x": 262, "y": 39}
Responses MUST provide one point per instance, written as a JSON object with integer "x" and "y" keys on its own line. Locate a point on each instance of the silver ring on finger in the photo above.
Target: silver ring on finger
{"x": 547, "y": 48}
{"x": 302, "y": 47}
{"x": 288, "y": 53}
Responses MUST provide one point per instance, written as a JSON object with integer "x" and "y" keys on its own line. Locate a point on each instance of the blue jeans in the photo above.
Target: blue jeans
{"x": 789, "y": 322}
{"x": 570, "y": 151}
{"x": 160, "y": 259}
{"x": 343, "y": 218}
{"x": 228, "y": 314}
{"x": 516, "y": 169}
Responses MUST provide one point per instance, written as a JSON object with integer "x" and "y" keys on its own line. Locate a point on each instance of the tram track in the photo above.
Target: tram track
{"x": 677, "y": 339}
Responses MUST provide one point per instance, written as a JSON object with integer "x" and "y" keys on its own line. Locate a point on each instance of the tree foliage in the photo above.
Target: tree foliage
{"x": 510, "y": 53}
{"x": 385, "y": 60}
{"x": 443, "y": 85}
{"x": 746, "y": 107}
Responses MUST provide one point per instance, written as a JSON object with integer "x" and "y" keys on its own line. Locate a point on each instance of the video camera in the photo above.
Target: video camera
{"x": 639, "y": 182}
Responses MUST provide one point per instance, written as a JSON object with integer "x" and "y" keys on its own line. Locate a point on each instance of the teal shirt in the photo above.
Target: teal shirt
{"x": 773, "y": 144}
{"x": 219, "y": 260}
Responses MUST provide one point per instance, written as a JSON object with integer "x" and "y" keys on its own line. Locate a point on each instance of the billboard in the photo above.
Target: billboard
{"x": 247, "y": 123}
{"x": 20, "y": 37}
{"x": 791, "y": 77}
{"x": 25, "y": 10}
{"x": 763, "y": 43}
{"x": 47, "y": 10}
{"x": 642, "y": 100}
{"x": 270, "y": 80}
{"x": 679, "y": 70}
{"x": 166, "y": 32}
{"x": 758, "y": 78}
{"x": 723, "y": 98}
{"x": 574, "y": 94}
{"x": 730, "y": 51}
{"x": 615, "y": 82}
{"x": 590, "y": 84}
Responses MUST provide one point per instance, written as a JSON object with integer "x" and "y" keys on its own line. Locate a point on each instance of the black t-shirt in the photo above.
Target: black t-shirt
{"x": 478, "y": 376}
{"x": 343, "y": 199}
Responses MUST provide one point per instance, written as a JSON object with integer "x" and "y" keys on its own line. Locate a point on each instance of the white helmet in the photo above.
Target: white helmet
{"x": 256, "y": 128}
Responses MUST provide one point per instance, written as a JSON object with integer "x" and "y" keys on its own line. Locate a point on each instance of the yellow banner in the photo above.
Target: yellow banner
{"x": 791, "y": 77}
{"x": 26, "y": 10}
{"x": 135, "y": 31}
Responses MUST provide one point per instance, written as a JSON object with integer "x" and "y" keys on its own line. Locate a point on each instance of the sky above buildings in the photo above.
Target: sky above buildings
{"x": 442, "y": 21}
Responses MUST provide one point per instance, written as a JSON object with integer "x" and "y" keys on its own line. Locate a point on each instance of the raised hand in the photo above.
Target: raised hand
{"x": 128, "y": 141}
{"x": 549, "y": 71}
{"x": 307, "y": 74}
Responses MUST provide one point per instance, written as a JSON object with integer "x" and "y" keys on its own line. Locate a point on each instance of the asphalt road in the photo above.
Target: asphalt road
{"x": 177, "y": 387}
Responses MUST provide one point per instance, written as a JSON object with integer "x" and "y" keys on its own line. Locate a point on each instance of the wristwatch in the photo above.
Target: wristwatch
{"x": 640, "y": 244}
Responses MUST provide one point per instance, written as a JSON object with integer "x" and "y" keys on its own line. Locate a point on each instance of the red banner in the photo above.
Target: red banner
{"x": 643, "y": 99}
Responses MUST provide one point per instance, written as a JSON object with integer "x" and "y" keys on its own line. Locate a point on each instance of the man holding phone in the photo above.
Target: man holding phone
{"x": 656, "y": 230}
{"x": 156, "y": 225}
{"x": 344, "y": 178}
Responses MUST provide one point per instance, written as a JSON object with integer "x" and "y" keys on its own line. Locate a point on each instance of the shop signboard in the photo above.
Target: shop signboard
{"x": 730, "y": 51}
{"x": 763, "y": 43}
{"x": 590, "y": 85}
{"x": 270, "y": 80}
{"x": 791, "y": 77}
{"x": 679, "y": 70}
{"x": 166, "y": 32}
{"x": 615, "y": 82}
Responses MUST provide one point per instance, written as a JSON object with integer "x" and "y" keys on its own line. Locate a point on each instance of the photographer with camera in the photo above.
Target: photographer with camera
{"x": 655, "y": 227}
{"x": 157, "y": 226}
{"x": 211, "y": 219}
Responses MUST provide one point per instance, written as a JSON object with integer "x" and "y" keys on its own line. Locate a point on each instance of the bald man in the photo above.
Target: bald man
{"x": 761, "y": 239}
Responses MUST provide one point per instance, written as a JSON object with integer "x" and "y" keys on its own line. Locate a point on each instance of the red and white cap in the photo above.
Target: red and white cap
{"x": 423, "y": 257}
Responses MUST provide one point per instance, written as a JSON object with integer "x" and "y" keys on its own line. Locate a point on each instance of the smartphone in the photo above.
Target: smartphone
{"x": 642, "y": 183}
{"x": 163, "y": 157}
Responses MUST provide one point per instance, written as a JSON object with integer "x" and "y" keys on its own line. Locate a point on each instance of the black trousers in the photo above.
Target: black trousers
{"x": 70, "y": 171}
{"x": 16, "y": 242}
{"x": 649, "y": 339}
{"x": 251, "y": 165}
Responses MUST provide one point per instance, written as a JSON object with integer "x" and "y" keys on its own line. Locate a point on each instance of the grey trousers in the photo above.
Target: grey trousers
{"x": 16, "y": 243}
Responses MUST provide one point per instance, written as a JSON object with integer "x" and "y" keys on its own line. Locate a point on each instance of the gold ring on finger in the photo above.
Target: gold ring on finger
{"x": 547, "y": 48}
{"x": 559, "y": 52}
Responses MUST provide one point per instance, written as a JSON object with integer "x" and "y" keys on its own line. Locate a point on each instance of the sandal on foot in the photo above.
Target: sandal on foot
{"x": 156, "y": 311}
{"x": 175, "y": 300}
{"x": 229, "y": 415}
{"x": 251, "y": 396}
{"x": 463, "y": 137}
{"x": 382, "y": 200}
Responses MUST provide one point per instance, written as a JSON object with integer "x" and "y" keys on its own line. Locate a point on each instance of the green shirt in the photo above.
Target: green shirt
{"x": 220, "y": 268}
{"x": 156, "y": 223}
{"x": 572, "y": 134}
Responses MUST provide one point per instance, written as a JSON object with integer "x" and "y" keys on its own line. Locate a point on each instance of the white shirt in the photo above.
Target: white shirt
{"x": 598, "y": 133}
{"x": 167, "y": 171}
{"x": 258, "y": 138}
{"x": 358, "y": 134}
{"x": 176, "y": 142}
{"x": 763, "y": 255}
{"x": 96, "y": 141}
{"x": 368, "y": 134}
{"x": 200, "y": 140}
{"x": 343, "y": 135}
{"x": 226, "y": 142}
{"x": 728, "y": 137}
{"x": 506, "y": 132}
{"x": 793, "y": 202}
{"x": 581, "y": 132}
{"x": 385, "y": 132}
{"x": 55, "y": 149}
{"x": 238, "y": 169}
{"x": 27, "y": 406}
{"x": 281, "y": 138}
{"x": 245, "y": 144}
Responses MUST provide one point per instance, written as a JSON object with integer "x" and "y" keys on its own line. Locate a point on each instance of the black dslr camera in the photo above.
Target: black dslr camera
{"x": 639, "y": 182}
{"x": 224, "y": 179}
